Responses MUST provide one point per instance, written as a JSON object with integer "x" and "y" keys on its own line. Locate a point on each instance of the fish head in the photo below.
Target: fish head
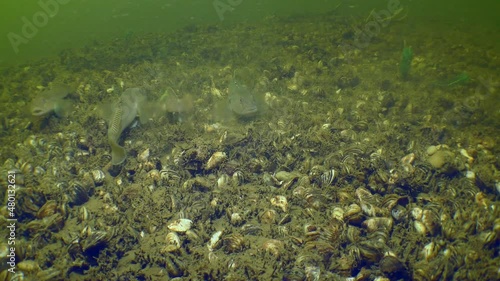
{"x": 51, "y": 99}
{"x": 241, "y": 100}
{"x": 41, "y": 106}
{"x": 244, "y": 106}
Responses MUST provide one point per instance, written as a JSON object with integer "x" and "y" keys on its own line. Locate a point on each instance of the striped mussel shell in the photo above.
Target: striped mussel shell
{"x": 327, "y": 178}
{"x": 28, "y": 201}
{"x": 170, "y": 176}
{"x": 95, "y": 238}
{"x": 371, "y": 250}
{"x": 238, "y": 178}
{"x": 31, "y": 141}
{"x": 234, "y": 243}
{"x": 98, "y": 176}
{"x": 48, "y": 209}
{"x": 38, "y": 171}
{"x": 322, "y": 176}
{"x": 378, "y": 223}
{"x": 24, "y": 166}
{"x": 353, "y": 213}
{"x": 84, "y": 214}
{"x": 53, "y": 223}
{"x": 76, "y": 194}
{"x": 173, "y": 243}
{"x": 370, "y": 204}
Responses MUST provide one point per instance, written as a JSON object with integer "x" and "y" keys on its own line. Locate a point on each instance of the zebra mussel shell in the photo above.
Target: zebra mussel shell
{"x": 223, "y": 181}
{"x": 238, "y": 178}
{"x": 327, "y": 178}
{"x": 273, "y": 247}
{"x": 280, "y": 202}
{"x": 236, "y": 219}
{"x": 173, "y": 243}
{"x": 180, "y": 225}
{"x": 76, "y": 194}
{"x": 170, "y": 176}
{"x": 214, "y": 241}
{"x": 234, "y": 243}
{"x": 323, "y": 177}
{"x": 98, "y": 176}
{"x": 94, "y": 239}
{"x": 48, "y": 209}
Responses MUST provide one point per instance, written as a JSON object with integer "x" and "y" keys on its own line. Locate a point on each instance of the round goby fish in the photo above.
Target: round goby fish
{"x": 241, "y": 100}
{"x": 51, "y": 100}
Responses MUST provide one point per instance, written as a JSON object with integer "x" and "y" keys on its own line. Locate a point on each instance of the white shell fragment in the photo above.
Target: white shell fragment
{"x": 214, "y": 240}
{"x": 223, "y": 181}
{"x": 280, "y": 201}
{"x": 98, "y": 176}
{"x": 464, "y": 153}
{"x": 407, "y": 162}
{"x": 144, "y": 156}
{"x": 180, "y": 225}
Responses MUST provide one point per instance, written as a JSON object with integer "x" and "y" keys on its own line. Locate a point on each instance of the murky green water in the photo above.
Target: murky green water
{"x": 75, "y": 23}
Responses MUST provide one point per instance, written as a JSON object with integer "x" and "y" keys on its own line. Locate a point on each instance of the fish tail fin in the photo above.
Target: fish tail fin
{"x": 118, "y": 153}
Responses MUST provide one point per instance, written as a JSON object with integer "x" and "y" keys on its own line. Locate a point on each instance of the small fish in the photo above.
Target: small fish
{"x": 115, "y": 128}
{"x": 120, "y": 115}
{"x": 52, "y": 100}
{"x": 241, "y": 100}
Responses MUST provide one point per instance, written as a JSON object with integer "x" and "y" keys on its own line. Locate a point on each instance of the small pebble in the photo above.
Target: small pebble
{"x": 431, "y": 150}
